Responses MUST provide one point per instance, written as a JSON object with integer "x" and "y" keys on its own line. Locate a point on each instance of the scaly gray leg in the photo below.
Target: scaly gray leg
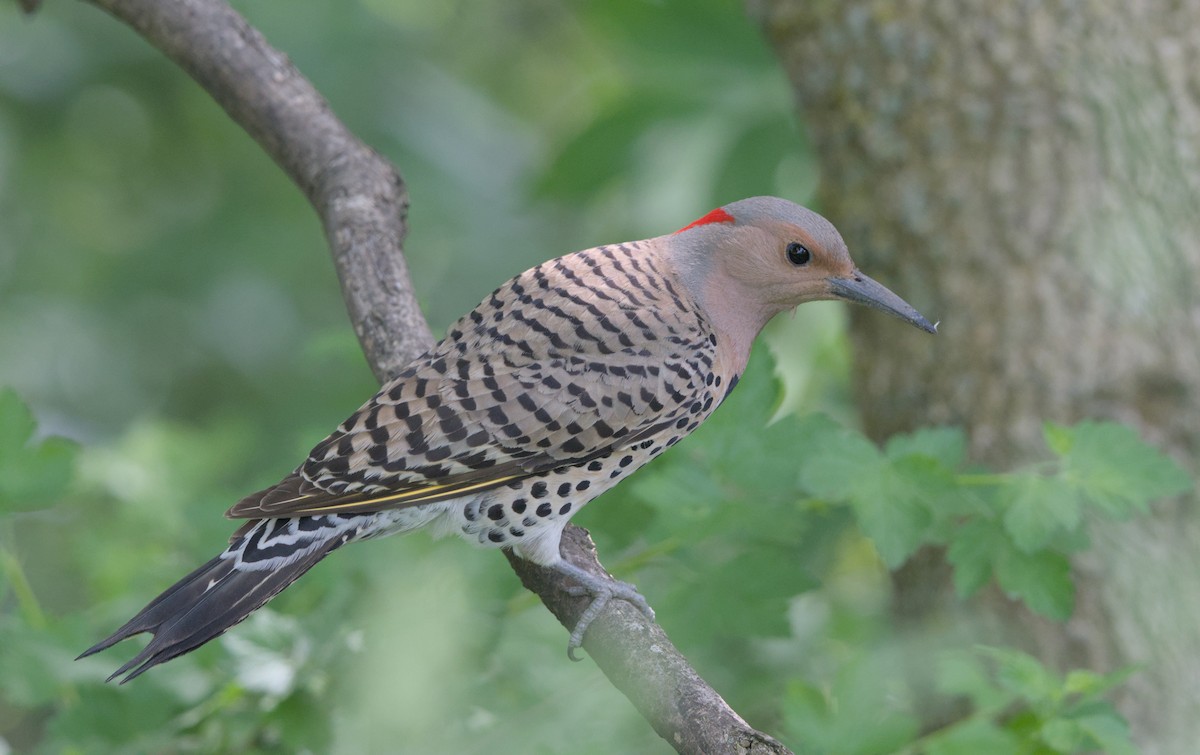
{"x": 601, "y": 590}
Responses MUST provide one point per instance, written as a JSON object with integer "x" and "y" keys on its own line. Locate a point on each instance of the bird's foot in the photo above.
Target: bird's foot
{"x": 601, "y": 591}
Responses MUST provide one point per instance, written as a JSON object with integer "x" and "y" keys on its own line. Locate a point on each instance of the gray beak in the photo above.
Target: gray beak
{"x": 861, "y": 289}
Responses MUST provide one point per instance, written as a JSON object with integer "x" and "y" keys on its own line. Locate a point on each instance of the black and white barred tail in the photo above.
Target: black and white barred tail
{"x": 264, "y": 557}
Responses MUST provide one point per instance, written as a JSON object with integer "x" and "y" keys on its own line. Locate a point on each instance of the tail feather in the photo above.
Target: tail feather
{"x": 261, "y": 562}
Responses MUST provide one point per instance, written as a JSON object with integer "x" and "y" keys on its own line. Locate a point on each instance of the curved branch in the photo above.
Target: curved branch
{"x": 638, "y": 658}
{"x": 361, "y": 201}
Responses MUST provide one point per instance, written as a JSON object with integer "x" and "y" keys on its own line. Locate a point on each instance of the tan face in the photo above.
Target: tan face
{"x": 785, "y": 265}
{"x": 752, "y": 259}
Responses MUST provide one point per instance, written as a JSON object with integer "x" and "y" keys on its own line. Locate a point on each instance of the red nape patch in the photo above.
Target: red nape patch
{"x": 716, "y": 216}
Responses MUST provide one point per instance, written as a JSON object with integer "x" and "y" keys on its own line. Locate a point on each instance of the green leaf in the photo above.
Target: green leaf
{"x": 855, "y": 713}
{"x": 973, "y": 550}
{"x": 973, "y": 736}
{"x": 16, "y": 424}
{"x": 960, "y": 672}
{"x": 1108, "y": 732}
{"x": 1023, "y": 675}
{"x": 1041, "y": 508}
{"x": 890, "y": 512}
{"x": 1059, "y": 439}
{"x": 1117, "y": 471}
{"x": 946, "y": 445}
{"x": 1042, "y": 580}
{"x": 31, "y": 475}
{"x": 842, "y": 465}
{"x": 746, "y": 595}
{"x": 890, "y": 501}
{"x": 1064, "y": 735}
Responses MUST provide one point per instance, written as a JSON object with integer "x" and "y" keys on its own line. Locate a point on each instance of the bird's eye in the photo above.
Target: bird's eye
{"x": 798, "y": 254}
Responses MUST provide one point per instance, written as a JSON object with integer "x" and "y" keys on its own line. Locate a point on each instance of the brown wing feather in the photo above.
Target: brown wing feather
{"x": 295, "y": 496}
{"x": 515, "y": 390}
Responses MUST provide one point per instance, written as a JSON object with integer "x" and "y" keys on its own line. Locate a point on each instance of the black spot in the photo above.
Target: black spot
{"x": 518, "y": 506}
{"x": 551, "y": 383}
{"x": 544, "y": 509}
{"x": 497, "y": 416}
{"x": 539, "y": 491}
{"x": 583, "y": 485}
{"x": 416, "y": 442}
{"x": 477, "y": 439}
{"x": 516, "y": 531}
{"x": 682, "y": 423}
{"x": 439, "y": 453}
{"x": 566, "y": 509}
{"x": 496, "y": 536}
{"x": 469, "y": 512}
{"x": 626, "y": 461}
{"x": 528, "y": 521}
{"x": 372, "y": 420}
{"x": 615, "y": 473}
{"x": 564, "y": 490}
{"x": 573, "y": 446}
{"x": 733, "y": 383}
{"x": 495, "y": 512}
{"x": 647, "y": 443}
{"x": 595, "y": 466}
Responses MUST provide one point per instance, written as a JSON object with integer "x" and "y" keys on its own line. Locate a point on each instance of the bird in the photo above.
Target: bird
{"x": 558, "y": 385}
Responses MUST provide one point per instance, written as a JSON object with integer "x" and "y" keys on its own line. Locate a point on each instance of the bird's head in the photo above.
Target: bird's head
{"x": 752, "y": 259}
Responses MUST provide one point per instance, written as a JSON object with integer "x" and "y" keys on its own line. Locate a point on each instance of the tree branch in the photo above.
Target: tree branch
{"x": 361, "y": 201}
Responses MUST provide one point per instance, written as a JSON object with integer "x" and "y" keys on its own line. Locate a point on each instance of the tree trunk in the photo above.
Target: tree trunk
{"x": 1028, "y": 172}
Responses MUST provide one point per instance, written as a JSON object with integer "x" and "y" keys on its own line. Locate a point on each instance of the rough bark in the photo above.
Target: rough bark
{"x": 361, "y": 201}
{"x": 1027, "y": 172}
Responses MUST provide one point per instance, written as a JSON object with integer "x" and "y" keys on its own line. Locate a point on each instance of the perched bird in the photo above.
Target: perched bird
{"x": 559, "y": 384}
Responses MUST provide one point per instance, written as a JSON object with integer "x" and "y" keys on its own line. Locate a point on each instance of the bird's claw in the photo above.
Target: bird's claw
{"x": 601, "y": 591}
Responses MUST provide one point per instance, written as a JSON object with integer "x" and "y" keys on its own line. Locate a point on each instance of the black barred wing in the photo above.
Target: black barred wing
{"x": 521, "y": 386}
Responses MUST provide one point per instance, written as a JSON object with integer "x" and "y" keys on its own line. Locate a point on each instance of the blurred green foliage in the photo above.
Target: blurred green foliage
{"x": 167, "y": 303}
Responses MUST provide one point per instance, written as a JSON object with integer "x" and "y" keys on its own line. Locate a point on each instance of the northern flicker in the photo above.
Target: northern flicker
{"x": 559, "y": 384}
